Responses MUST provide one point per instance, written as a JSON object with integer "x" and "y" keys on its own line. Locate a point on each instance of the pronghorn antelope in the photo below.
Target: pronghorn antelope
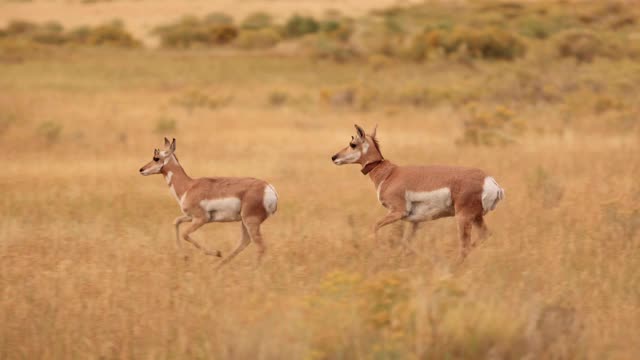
{"x": 422, "y": 193}
{"x": 215, "y": 199}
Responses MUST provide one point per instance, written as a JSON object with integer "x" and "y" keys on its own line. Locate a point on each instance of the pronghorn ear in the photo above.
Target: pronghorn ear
{"x": 167, "y": 143}
{"x": 360, "y": 131}
{"x": 172, "y": 147}
{"x": 373, "y": 133}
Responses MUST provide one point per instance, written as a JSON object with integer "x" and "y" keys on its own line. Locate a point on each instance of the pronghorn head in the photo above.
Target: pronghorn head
{"x": 160, "y": 158}
{"x": 363, "y": 149}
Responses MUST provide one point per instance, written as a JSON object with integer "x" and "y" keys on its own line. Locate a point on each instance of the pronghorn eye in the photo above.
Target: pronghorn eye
{"x": 353, "y": 146}
{"x": 156, "y": 159}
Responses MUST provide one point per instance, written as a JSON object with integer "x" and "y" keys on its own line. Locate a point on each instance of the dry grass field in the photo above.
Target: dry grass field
{"x": 88, "y": 263}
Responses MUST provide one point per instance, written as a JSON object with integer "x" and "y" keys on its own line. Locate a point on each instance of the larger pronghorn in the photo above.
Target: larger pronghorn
{"x": 422, "y": 193}
{"x": 215, "y": 199}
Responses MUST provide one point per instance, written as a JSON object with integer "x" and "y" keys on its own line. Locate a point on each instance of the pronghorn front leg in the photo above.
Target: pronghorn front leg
{"x": 179, "y": 220}
{"x": 197, "y": 223}
{"x": 390, "y": 218}
{"x": 408, "y": 235}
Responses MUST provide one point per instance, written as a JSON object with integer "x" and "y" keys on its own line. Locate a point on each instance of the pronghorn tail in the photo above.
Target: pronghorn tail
{"x": 492, "y": 193}
{"x": 270, "y": 199}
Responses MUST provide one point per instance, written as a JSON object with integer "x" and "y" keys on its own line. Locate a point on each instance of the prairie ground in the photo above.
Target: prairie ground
{"x": 89, "y": 267}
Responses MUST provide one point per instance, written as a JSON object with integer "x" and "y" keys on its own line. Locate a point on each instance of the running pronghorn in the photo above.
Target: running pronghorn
{"x": 215, "y": 199}
{"x": 422, "y": 193}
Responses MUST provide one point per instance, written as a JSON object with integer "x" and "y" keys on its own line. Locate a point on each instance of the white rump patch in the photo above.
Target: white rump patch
{"x": 270, "y": 199}
{"x": 429, "y": 205}
{"x": 492, "y": 193}
{"x": 224, "y": 209}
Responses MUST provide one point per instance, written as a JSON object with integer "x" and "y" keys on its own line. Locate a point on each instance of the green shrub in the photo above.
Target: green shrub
{"x": 257, "y": 39}
{"x": 277, "y": 98}
{"x": 79, "y": 35}
{"x": 50, "y": 131}
{"x": 341, "y": 30}
{"x": 490, "y": 43}
{"x": 223, "y": 34}
{"x": 583, "y": 46}
{"x": 51, "y": 34}
{"x": 329, "y": 48}
{"x": 111, "y": 34}
{"x": 52, "y": 26}
{"x": 182, "y": 33}
{"x": 535, "y": 28}
{"x": 165, "y": 125}
{"x": 329, "y": 25}
{"x": 20, "y": 27}
{"x": 195, "y": 99}
{"x": 425, "y": 43}
{"x": 218, "y": 18}
{"x": 257, "y": 20}
{"x": 375, "y": 37}
{"x": 298, "y": 26}
{"x": 190, "y": 31}
{"x": 47, "y": 33}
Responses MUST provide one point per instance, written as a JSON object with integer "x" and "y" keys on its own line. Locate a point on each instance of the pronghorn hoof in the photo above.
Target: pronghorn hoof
{"x": 218, "y": 253}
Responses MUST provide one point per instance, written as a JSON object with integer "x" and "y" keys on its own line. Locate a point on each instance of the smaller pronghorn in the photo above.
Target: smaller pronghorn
{"x": 422, "y": 193}
{"x": 215, "y": 199}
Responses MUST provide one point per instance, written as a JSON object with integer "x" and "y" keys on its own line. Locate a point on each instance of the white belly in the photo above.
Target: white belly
{"x": 224, "y": 209}
{"x": 428, "y": 205}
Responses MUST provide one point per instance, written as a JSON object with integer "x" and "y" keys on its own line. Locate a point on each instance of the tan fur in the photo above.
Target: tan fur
{"x": 393, "y": 183}
{"x": 193, "y": 195}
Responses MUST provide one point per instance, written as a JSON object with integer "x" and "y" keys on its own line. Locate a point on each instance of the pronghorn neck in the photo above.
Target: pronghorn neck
{"x": 175, "y": 176}
{"x": 368, "y": 167}
{"x": 381, "y": 171}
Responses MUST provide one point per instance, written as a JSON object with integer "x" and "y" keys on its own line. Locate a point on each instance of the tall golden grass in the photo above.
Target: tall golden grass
{"x": 88, "y": 264}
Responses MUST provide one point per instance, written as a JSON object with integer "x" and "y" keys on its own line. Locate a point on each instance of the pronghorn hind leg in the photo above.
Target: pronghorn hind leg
{"x": 244, "y": 242}
{"x": 179, "y": 220}
{"x": 483, "y": 231}
{"x": 195, "y": 225}
{"x": 253, "y": 227}
{"x": 464, "y": 232}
